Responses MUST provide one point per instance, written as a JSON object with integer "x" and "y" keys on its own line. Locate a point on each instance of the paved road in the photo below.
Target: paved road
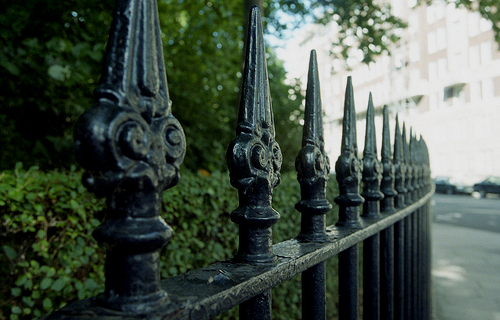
{"x": 466, "y": 258}
{"x": 465, "y": 211}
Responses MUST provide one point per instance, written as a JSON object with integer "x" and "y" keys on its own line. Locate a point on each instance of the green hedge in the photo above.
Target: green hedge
{"x": 49, "y": 258}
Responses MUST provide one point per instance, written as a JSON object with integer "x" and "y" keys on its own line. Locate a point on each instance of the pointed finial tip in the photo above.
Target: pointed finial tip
{"x": 255, "y": 14}
{"x": 312, "y": 57}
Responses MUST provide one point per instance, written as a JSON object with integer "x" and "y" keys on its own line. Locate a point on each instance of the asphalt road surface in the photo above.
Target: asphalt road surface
{"x": 466, "y": 211}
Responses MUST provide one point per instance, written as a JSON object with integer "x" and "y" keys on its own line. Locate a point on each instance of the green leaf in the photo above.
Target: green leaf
{"x": 16, "y": 292}
{"x": 12, "y": 68}
{"x": 47, "y": 304}
{"x": 59, "y": 72}
{"x": 9, "y": 252}
{"x": 51, "y": 272}
{"x": 90, "y": 284}
{"x": 58, "y": 285}
{"x": 16, "y": 310}
{"x": 41, "y": 234}
{"x": 46, "y": 282}
{"x": 28, "y": 301}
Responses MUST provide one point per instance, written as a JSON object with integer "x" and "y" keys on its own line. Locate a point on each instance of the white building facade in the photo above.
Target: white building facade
{"x": 442, "y": 79}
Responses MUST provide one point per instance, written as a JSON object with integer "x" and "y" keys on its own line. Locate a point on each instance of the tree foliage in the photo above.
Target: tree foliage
{"x": 51, "y": 61}
{"x": 52, "y": 50}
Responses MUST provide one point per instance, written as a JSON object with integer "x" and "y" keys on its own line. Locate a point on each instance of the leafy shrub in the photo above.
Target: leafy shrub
{"x": 48, "y": 257}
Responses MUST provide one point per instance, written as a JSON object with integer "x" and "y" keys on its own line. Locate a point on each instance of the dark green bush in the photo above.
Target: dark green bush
{"x": 48, "y": 254}
{"x": 49, "y": 258}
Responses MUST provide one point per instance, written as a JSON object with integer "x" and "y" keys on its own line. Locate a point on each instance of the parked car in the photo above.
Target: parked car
{"x": 450, "y": 186}
{"x": 443, "y": 185}
{"x": 489, "y": 185}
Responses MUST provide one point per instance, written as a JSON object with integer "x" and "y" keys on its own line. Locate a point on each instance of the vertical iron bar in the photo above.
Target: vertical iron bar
{"x": 415, "y": 229}
{"x": 400, "y": 250}
{"x": 372, "y": 176}
{"x": 348, "y": 168}
{"x": 348, "y": 284}
{"x": 399, "y": 270}
{"x": 387, "y": 261}
{"x": 388, "y": 178}
{"x": 254, "y": 161}
{"x": 313, "y": 168}
{"x": 131, "y": 148}
{"x": 428, "y": 239}
{"x": 258, "y": 307}
{"x": 314, "y": 292}
{"x": 408, "y": 267}
{"x": 415, "y": 263}
{"x": 409, "y": 168}
{"x": 422, "y": 238}
{"x": 408, "y": 229}
{"x": 428, "y": 250}
{"x": 387, "y": 274}
{"x": 371, "y": 277}
{"x": 399, "y": 168}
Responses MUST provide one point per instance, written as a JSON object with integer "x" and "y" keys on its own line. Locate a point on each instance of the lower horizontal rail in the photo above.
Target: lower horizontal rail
{"x": 209, "y": 291}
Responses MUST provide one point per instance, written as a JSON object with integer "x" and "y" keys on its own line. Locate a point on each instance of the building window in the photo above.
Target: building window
{"x": 414, "y": 53}
{"x": 473, "y": 21}
{"x": 484, "y": 25}
{"x": 475, "y": 91}
{"x": 441, "y": 38}
{"x": 435, "y": 12}
{"x": 496, "y": 84}
{"x": 442, "y": 67}
{"x": 436, "y": 40}
{"x": 431, "y": 42}
{"x": 485, "y": 53}
{"x": 413, "y": 23}
{"x": 454, "y": 95}
{"x": 474, "y": 57}
{"x": 487, "y": 88}
{"x": 414, "y": 75}
{"x": 433, "y": 70}
{"x": 433, "y": 101}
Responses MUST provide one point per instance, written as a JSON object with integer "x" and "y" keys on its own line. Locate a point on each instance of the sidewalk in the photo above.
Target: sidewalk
{"x": 465, "y": 273}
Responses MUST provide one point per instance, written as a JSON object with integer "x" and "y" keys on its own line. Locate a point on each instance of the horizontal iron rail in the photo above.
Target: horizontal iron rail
{"x": 209, "y": 291}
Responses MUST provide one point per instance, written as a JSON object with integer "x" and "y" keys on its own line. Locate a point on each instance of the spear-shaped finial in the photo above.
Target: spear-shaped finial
{"x": 313, "y": 115}
{"x": 131, "y": 148}
{"x": 409, "y": 168}
{"x": 348, "y": 166}
{"x": 421, "y": 165}
{"x": 387, "y": 185}
{"x": 255, "y": 104}
{"x": 372, "y": 169}
{"x": 413, "y": 160}
{"x": 312, "y": 163}
{"x": 399, "y": 167}
{"x": 427, "y": 165}
{"x": 254, "y": 157}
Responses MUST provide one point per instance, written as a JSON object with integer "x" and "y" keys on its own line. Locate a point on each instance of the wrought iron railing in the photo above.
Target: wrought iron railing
{"x": 131, "y": 147}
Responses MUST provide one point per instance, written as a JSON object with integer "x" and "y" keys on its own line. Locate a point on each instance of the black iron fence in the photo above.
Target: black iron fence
{"x": 131, "y": 148}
